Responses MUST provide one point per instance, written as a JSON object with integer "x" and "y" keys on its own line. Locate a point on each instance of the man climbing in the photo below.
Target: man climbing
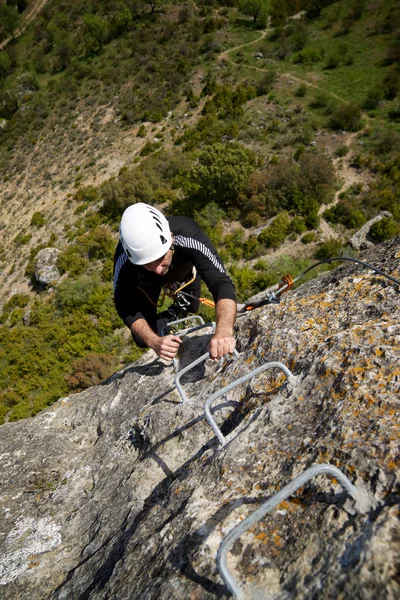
{"x": 155, "y": 251}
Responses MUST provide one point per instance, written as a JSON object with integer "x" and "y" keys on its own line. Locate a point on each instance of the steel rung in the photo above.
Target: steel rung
{"x": 234, "y": 384}
{"x": 190, "y": 366}
{"x": 363, "y": 502}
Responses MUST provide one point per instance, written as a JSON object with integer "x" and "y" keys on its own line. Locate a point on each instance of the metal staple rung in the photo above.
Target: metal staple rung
{"x": 164, "y": 330}
{"x": 193, "y": 364}
{"x": 186, "y": 332}
{"x": 357, "y": 494}
{"x": 234, "y": 384}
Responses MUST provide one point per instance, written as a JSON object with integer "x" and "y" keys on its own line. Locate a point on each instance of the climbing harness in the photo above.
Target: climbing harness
{"x": 174, "y": 290}
{"x": 362, "y": 504}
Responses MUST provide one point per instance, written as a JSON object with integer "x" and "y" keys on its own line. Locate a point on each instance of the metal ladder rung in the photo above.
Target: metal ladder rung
{"x": 363, "y": 503}
{"x": 188, "y": 367}
{"x": 231, "y": 386}
{"x": 164, "y": 330}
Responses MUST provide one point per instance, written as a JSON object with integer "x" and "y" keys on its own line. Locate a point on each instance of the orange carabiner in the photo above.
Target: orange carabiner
{"x": 287, "y": 282}
{"x": 207, "y": 302}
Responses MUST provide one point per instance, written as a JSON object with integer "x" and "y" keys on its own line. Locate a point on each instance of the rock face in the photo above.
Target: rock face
{"x": 123, "y": 492}
{"x": 46, "y": 271}
{"x": 360, "y": 240}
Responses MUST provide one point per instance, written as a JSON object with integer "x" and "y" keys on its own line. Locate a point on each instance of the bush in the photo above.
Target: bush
{"x": 22, "y": 239}
{"x": 333, "y": 62}
{"x": 301, "y": 91}
{"x": 342, "y": 151}
{"x": 383, "y": 230}
{"x": 320, "y": 100}
{"x": 308, "y": 237}
{"x": 210, "y": 220}
{"x": 251, "y": 219}
{"x": 274, "y": 235}
{"x": 308, "y": 56}
{"x": 346, "y": 117}
{"x": 330, "y": 249}
{"x": 297, "y": 225}
{"x": 72, "y": 261}
{"x": 219, "y": 175}
{"x": 90, "y": 370}
{"x": 16, "y": 301}
{"x": 38, "y": 219}
{"x": 374, "y": 96}
{"x": 73, "y": 294}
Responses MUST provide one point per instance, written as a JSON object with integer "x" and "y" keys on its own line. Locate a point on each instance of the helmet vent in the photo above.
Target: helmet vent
{"x": 163, "y": 239}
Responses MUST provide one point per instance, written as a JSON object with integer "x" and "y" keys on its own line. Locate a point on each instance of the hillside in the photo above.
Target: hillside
{"x": 198, "y": 109}
{"x": 121, "y": 491}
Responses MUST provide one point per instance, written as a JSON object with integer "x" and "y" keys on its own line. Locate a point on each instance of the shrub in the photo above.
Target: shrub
{"x": 308, "y": 237}
{"x": 38, "y": 219}
{"x": 210, "y": 220}
{"x": 374, "y": 96}
{"x": 16, "y": 301}
{"x": 72, "y": 261}
{"x": 274, "y": 235}
{"x": 251, "y": 219}
{"x": 87, "y": 194}
{"x": 308, "y": 56}
{"x": 342, "y": 151}
{"x": 346, "y": 117}
{"x": 330, "y": 249}
{"x": 301, "y": 91}
{"x": 72, "y": 294}
{"x": 251, "y": 247}
{"x": 332, "y": 62}
{"x": 384, "y": 229}
{"x": 90, "y": 370}
{"x": 320, "y": 100}
{"x": 265, "y": 85}
{"x": 22, "y": 239}
{"x": 297, "y": 225}
{"x": 219, "y": 175}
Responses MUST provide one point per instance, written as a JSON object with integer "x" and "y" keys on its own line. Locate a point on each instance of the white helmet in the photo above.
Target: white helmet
{"x": 145, "y": 233}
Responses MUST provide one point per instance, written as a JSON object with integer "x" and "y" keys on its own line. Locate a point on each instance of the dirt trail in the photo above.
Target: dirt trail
{"x": 34, "y": 9}
{"x": 224, "y": 55}
{"x": 347, "y": 175}
{"x": 124, "y": 150}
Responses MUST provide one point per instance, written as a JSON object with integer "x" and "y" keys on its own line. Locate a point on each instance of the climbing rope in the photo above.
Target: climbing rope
{"x": 350, "y": 259}
{"x": 287, "y": 282}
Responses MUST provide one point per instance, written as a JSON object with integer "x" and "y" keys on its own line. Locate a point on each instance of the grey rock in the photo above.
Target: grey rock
{"x": 46, "y": 271}
{"x": 26, "y": 319}
{"x": 360, "y": 240}
{"x": 122, "y": 492}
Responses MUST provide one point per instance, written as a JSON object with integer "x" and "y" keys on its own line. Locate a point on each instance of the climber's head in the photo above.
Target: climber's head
{"x": 146, "y": 237}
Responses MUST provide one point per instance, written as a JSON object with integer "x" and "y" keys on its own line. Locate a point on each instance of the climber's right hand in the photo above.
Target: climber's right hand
{"x": 166, "y": 347}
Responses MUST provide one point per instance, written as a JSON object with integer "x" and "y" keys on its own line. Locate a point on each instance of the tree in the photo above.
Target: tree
{"x": 9, "y": 20}
{"x": 258, "y": 9}
{"x": 96, "y": 28}
{"x": 219, "y": 175}
{"x": 315, "y": 7}
{"x": 5, "y": 65}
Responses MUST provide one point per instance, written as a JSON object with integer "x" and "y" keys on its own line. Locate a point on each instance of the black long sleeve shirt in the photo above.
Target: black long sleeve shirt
{"x": 192, "y": 247}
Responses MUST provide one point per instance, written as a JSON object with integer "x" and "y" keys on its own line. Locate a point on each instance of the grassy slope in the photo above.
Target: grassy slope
{"x": 79, "y": 139}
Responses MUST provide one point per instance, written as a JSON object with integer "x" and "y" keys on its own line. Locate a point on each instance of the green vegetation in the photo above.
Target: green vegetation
{"x": 246, "y": 163}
